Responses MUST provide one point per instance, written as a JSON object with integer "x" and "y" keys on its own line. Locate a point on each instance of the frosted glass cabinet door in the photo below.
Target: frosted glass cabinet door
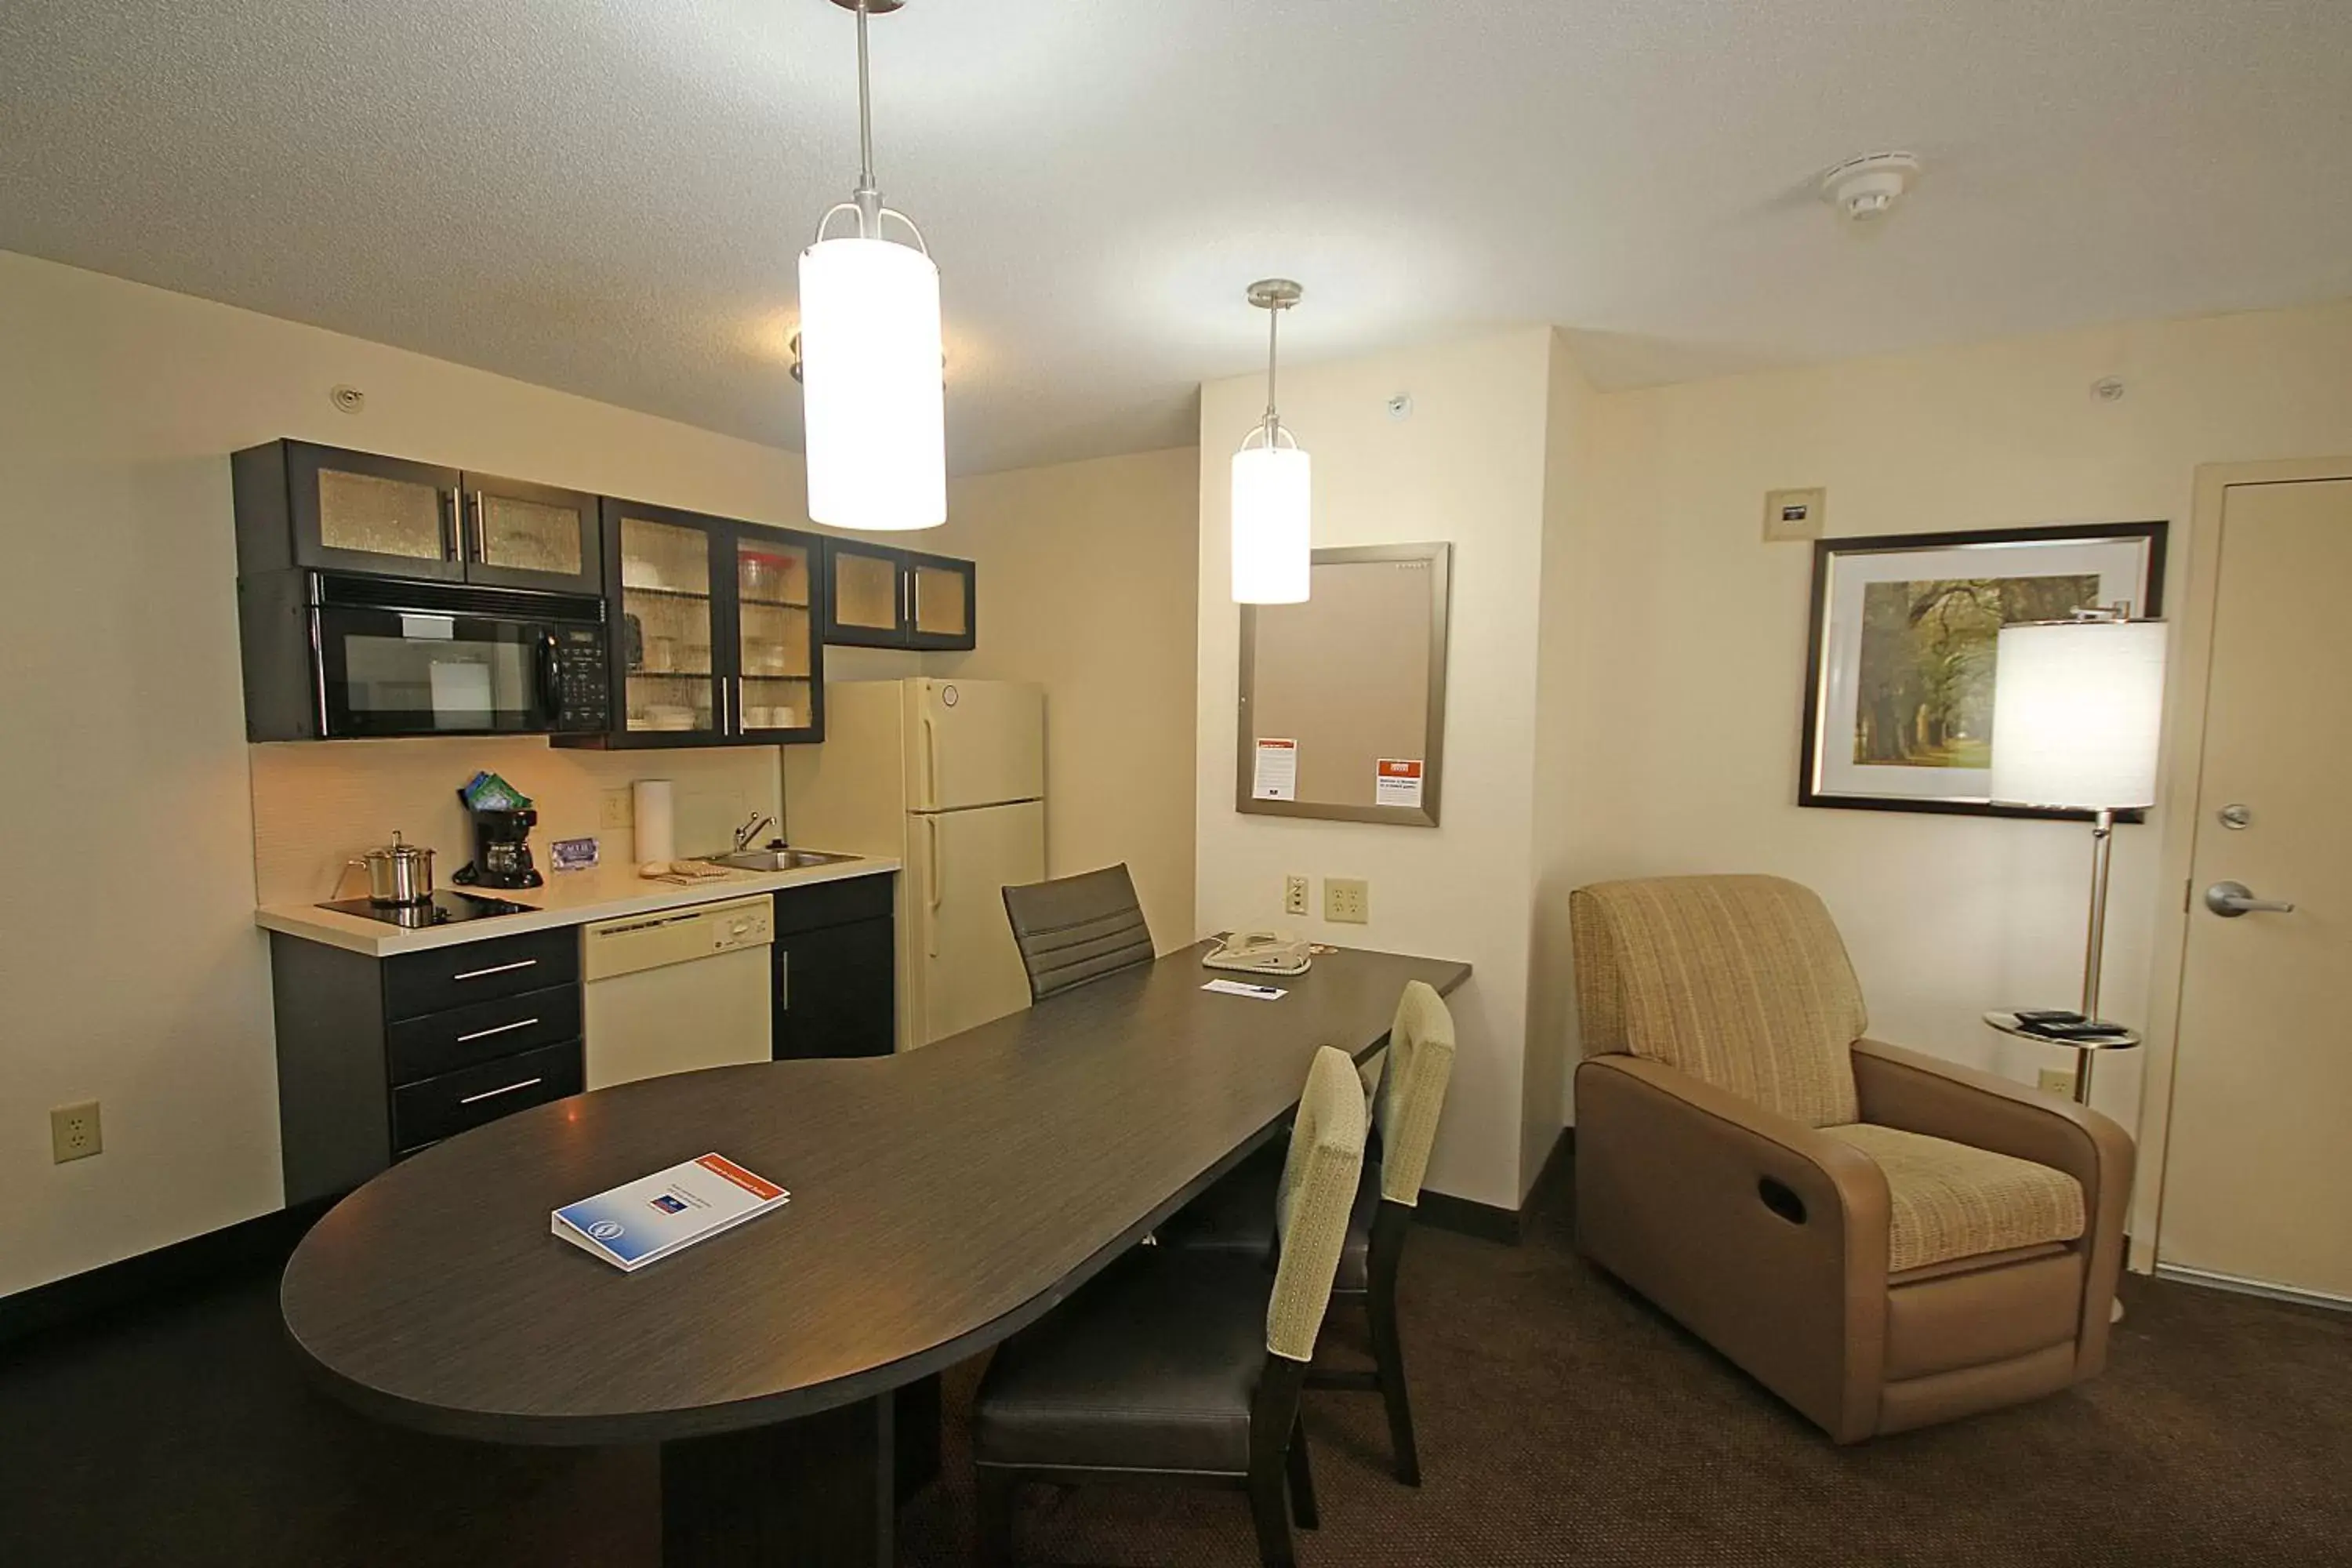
{"x": 939, "y": 601}
{"x": 669, "y": 684}
{"x": 776, "y": 648}
{"x": 356, "y": 512}
{"x": 525, "y": 535}
{"x": 867, "y": 604}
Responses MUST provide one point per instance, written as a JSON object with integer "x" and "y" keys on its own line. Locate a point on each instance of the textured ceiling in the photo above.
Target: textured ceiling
{"x": 607, "y": 196}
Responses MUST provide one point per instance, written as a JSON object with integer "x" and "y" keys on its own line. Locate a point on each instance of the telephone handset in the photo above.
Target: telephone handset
{"x": 1260, "y": 952}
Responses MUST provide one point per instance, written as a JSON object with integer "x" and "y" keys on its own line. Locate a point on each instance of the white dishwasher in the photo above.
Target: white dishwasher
{"x": 676, "y": 991}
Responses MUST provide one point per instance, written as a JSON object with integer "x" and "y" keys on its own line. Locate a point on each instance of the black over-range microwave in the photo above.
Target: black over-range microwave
{"x": 333, "y": 657}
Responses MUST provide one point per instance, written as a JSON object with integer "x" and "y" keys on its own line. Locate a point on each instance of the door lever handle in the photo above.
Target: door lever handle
{"x": 2230, "y": 900}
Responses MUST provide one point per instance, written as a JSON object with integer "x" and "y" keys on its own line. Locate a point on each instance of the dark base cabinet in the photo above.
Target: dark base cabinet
{"x": 837, "y": 970}
{"x": 378, "y": 1059}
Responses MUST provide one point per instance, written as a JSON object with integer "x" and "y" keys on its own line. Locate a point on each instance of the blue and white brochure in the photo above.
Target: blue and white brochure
{"x": 647, "y": 1220}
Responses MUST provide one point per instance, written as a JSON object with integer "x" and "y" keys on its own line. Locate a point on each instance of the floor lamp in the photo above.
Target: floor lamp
{"x": 2077, "y": 705}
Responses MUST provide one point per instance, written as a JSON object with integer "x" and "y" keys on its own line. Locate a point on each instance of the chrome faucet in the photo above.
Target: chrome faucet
{"x": 751, "y": 830}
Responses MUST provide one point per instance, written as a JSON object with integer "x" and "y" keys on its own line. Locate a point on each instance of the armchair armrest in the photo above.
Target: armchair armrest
{"x": 1764, "y": 1236}
{"x": 1920, "y": 1093}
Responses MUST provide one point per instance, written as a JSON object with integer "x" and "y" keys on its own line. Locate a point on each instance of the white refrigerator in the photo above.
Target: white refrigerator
{"x": 949, "y": 778}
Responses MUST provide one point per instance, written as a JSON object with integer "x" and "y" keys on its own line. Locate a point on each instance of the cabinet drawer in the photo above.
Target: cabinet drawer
{"x": 418, "y": 983}
{"x": 442, "y": 1107}
{"x": 837, "y": 902}
{"x": 444, "y": 1042}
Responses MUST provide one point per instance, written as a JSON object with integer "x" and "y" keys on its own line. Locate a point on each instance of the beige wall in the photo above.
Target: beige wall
{"x": 1086, "y": 586}
{"x": 1467, "y": 466}
{"x": 1569, "y": 458}
{"x": 129, "y": 960}
{"x": 1684, "y": 635}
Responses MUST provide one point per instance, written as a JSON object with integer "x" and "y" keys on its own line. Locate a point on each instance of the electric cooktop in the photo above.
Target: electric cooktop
{"x": 443, "y": 909}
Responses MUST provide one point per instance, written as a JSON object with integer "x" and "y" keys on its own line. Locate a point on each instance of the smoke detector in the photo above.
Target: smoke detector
{"x": 1865, "y": 189}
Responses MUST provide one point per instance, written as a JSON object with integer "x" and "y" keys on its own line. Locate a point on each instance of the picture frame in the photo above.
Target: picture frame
{"x": 1899, "y": 650}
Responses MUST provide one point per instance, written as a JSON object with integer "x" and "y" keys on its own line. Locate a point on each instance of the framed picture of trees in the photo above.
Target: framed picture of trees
{"x": 1900, "y": 678}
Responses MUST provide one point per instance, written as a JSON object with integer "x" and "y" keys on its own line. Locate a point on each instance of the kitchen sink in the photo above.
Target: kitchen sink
{"x": 779, "y": 860}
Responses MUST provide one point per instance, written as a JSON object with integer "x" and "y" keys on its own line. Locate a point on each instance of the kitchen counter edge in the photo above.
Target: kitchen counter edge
{"x": 355, "y": 933}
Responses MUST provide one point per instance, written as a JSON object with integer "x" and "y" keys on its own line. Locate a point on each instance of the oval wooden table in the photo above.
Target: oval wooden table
{"x": 942, "y": 1199}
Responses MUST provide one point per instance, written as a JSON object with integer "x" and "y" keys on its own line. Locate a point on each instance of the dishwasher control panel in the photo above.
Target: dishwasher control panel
{"x": 748, "y": 924}
{"x": 625, "y": 946}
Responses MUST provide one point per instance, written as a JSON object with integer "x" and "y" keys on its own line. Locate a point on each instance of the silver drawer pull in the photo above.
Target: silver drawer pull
{"x": 494, "y": 1093}
{"x": 497, "y": 969}
{"x": 501, "y": 1029}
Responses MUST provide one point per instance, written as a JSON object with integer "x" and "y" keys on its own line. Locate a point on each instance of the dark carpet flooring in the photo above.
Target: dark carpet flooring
{"x": 1563, "y": 1421}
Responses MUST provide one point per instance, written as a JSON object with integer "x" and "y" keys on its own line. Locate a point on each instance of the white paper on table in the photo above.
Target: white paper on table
{"x": 1396, "y": 781}
{"x": 1243, "y": 988}
{"x": 1277, "y": 774}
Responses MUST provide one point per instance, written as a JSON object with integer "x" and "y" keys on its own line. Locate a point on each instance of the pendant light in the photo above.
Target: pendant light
{"x": 871, "y": 404}
{"x": 1272, "y": 487}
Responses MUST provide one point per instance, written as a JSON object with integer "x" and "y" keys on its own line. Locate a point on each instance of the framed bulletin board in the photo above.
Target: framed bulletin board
{"x": 1343, "y": 698}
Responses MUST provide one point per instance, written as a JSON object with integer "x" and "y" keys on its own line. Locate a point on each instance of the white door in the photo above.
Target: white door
{"x": 975, "y": 742}
{"x": 2257, "y": 1180}
{"x": 963, "y": 967}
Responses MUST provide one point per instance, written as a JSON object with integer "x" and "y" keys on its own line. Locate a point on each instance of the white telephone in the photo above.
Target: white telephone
{"x": 1260, "y": 952}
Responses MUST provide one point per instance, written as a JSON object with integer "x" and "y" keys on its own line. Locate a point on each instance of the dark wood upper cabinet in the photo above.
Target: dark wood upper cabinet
{"x": 524, "y": 535}
{"x": 882, "y": 597}
{"x": 715, "y": 626}
{"x": 327, "y": 508}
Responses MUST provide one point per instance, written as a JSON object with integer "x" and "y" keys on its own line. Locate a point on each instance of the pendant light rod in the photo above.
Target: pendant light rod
{"x": 867, "y": 197}
{"x": 1273, "y": 296}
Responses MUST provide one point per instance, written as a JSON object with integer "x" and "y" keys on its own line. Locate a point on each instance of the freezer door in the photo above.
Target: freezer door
{"x": 974, "y": 743}
{"x": 962, "y": 966}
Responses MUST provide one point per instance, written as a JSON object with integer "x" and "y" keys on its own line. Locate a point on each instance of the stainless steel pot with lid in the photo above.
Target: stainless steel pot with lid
{"x": 398, "y": 873}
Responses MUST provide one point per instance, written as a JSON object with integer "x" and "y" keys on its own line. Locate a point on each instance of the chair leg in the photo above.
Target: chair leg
{"x": 1302, "y": 1480}
{"x": 1266, "y": 1512}
{"x": 994, "y": 1536}
{"x": 1388, "y": 1356}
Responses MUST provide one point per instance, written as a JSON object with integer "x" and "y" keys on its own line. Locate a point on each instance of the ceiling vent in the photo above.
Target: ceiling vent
{"x": 1865, "y": 189}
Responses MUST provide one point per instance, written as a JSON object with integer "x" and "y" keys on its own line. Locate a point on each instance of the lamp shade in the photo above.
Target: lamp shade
{"x": 1273, "y": 491}
{"x": 873, "y": 407}
{"x": 2075, "y": 714}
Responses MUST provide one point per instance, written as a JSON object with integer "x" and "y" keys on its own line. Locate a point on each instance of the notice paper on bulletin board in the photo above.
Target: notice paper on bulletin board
{"x": 1276, "y": 777}
{"x": 1343, "y": 697}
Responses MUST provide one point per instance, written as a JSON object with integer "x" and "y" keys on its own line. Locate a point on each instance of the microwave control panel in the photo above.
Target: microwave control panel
{"x": 583, "y": 678}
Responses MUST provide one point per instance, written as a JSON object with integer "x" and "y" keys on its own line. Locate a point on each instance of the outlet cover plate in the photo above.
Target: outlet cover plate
{"x": 2055, "y": 1080}
{"x": 74, "y": 1132}
{"x": 1346, "y": 901}
{"x": 1792, "y": 515}
{"x": 1294, "y": 896}
{"x": 618, "y": 809}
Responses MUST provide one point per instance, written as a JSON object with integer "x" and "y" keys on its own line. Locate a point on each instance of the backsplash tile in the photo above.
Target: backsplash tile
{"x": 317, "y": 804}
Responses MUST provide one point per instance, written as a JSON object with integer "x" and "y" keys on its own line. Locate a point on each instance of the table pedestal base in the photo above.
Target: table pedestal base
{"x": 819, "y": 1492}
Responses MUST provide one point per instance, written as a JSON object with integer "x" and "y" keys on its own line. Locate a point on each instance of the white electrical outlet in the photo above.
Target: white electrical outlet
{"x": 1346, "y": 899}
{"x": 73, "y": 1133}
{"x": 1294, "y": 895}
{"x": 619, "y": 809}
{"x": 2055, "y": 1080}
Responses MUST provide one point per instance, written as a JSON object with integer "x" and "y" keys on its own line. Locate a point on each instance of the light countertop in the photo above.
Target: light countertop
{"x": 569, "y": 898}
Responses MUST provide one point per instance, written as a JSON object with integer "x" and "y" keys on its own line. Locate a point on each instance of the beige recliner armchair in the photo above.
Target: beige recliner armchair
{"x": 1883, "y": 1239}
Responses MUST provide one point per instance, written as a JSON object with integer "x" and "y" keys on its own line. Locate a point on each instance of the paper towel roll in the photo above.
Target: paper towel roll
{"x": 657, "y": 825}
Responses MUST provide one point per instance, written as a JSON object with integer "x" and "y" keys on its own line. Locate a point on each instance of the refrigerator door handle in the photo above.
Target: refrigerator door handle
{"x": 932, "y": 864}
{"x": 930, "y": 766}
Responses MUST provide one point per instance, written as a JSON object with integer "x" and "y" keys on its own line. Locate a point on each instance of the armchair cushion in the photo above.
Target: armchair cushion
{"x": 1949, "y": 1200}
{"x": 1739, "y": 982}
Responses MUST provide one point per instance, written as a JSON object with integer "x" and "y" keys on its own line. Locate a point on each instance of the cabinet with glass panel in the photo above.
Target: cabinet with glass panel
{"x": 881, "y": 597}
{"x": 331, "y": 509}
{"x": 714, "y": 630}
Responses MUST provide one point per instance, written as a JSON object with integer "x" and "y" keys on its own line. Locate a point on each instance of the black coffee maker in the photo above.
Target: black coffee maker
{"x": 501, "y": 849}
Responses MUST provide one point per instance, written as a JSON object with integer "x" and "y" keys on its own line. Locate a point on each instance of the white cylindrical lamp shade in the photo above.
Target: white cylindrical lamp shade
{"x": 1273, "y": 544}
{"x": 2078, "y": 709}
{"x": 874, "y": 419}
